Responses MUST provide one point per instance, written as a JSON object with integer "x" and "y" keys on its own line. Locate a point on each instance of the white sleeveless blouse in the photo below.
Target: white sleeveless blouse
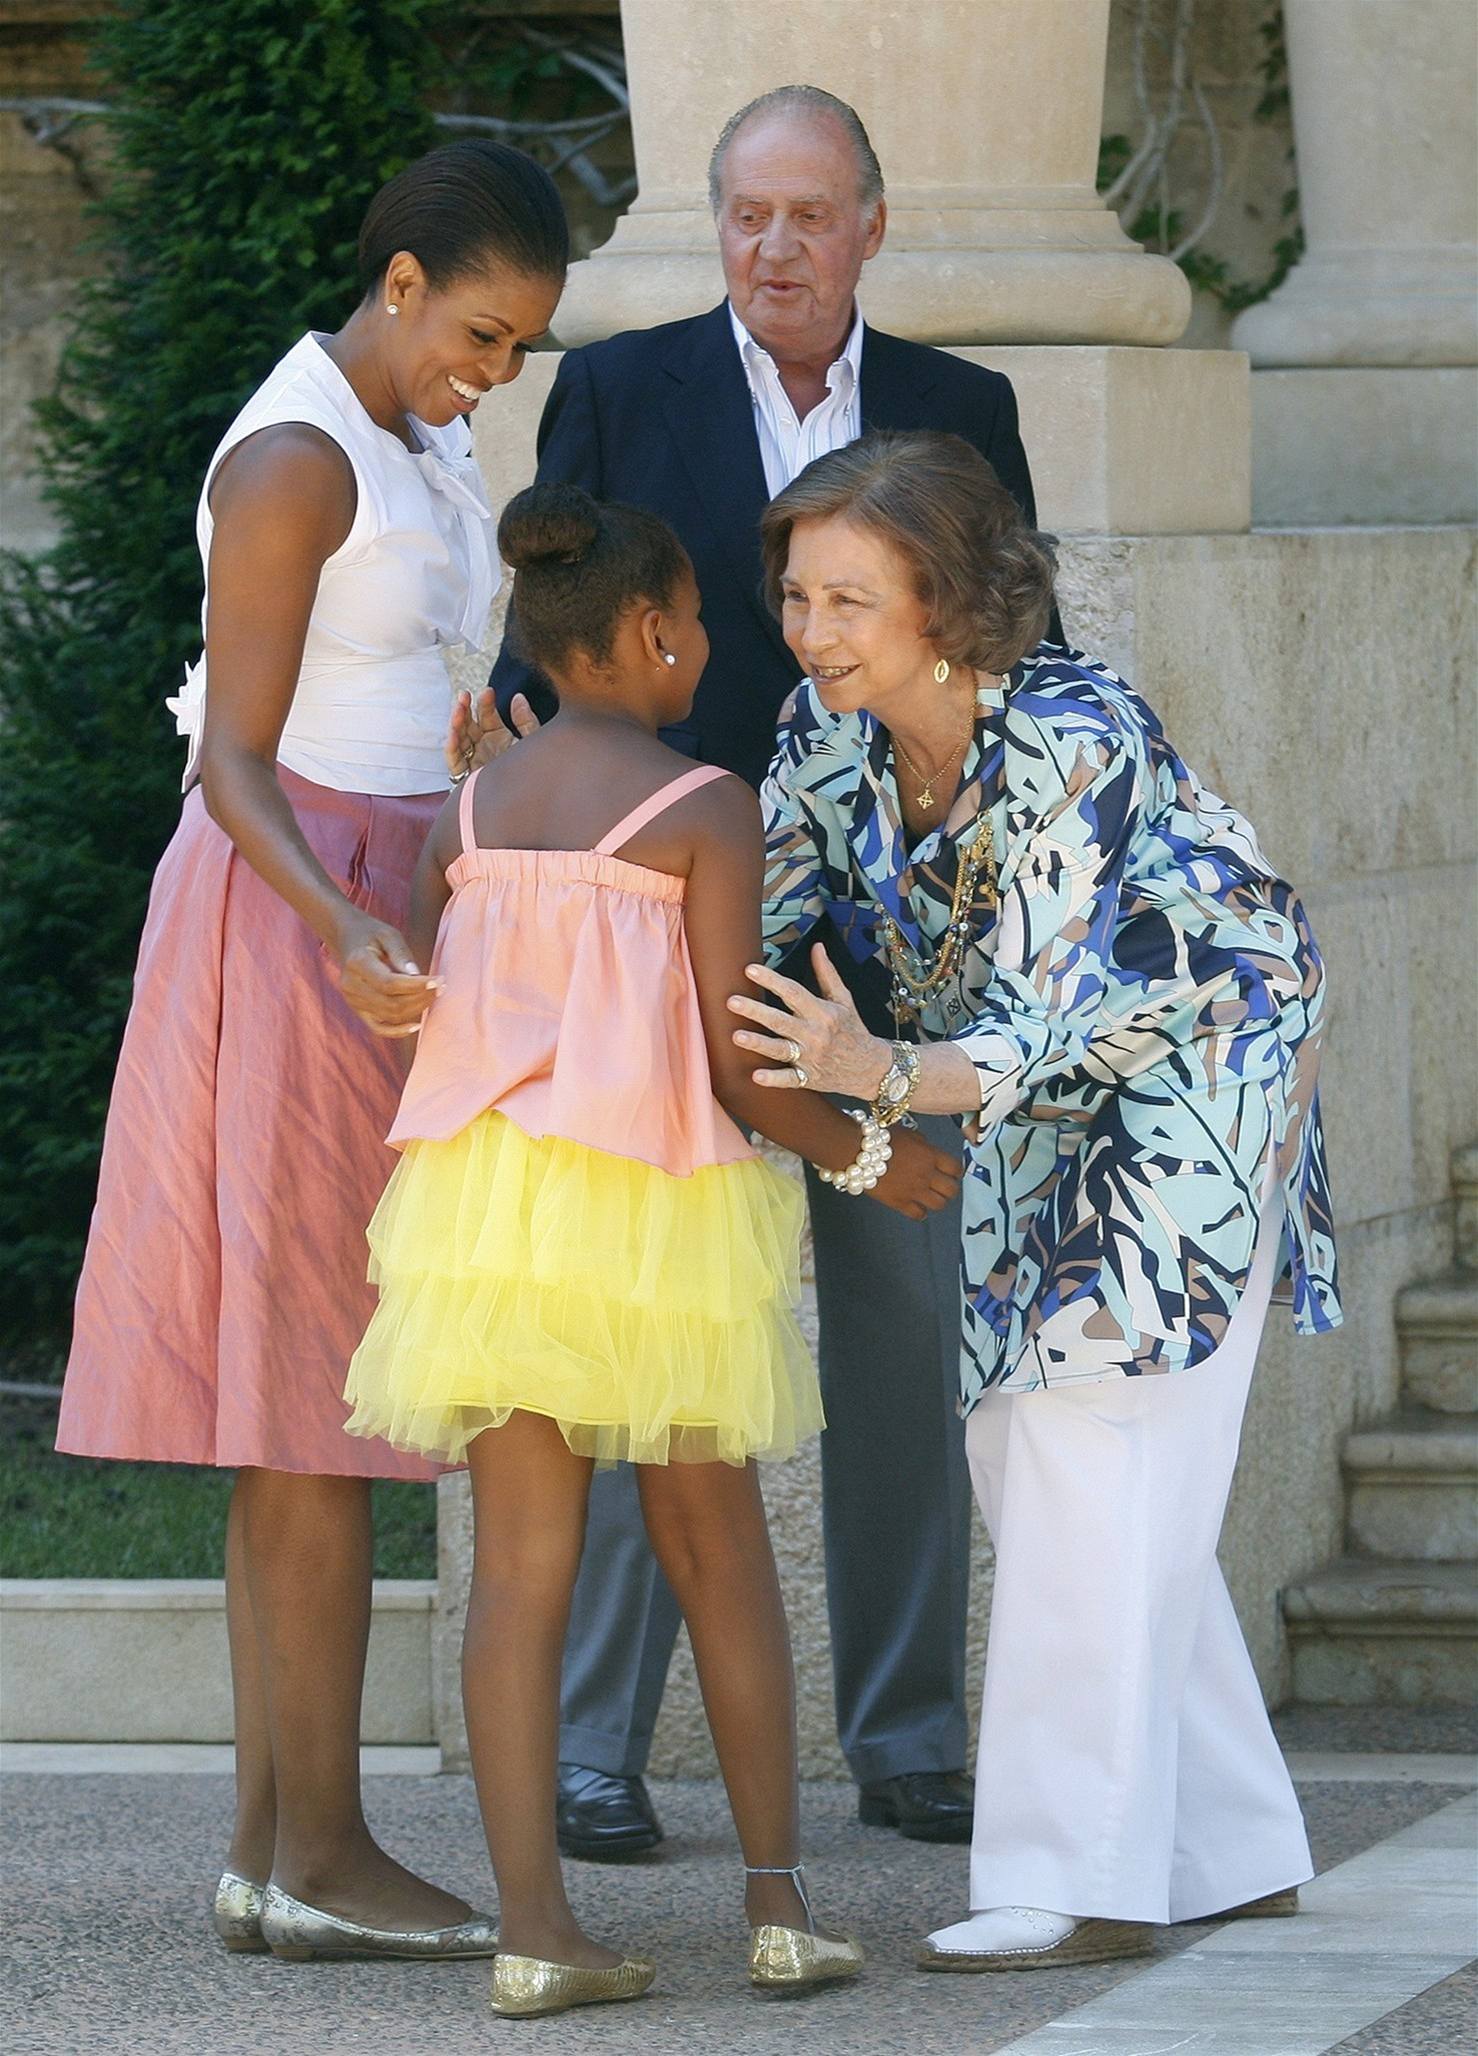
{"x": 416, "y": 572}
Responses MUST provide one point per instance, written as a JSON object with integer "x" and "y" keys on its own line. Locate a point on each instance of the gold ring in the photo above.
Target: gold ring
{"x": 792, "y": 1051}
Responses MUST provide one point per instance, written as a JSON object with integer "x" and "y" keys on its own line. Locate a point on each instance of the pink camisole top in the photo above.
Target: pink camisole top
{"x": 569, "y": 1003}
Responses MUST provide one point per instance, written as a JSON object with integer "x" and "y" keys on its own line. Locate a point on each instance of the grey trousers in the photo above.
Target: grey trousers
{"x": 895, "y": 1510}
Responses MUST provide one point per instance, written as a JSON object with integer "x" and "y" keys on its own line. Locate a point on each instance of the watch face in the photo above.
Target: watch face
{"x": 897, "y": 1084}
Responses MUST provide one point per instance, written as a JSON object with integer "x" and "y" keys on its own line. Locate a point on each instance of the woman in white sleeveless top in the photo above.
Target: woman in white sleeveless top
{"x": 346, "y": 539}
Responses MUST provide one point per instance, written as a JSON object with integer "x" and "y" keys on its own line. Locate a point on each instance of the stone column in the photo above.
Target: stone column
{"x": 1366, "y": 381}
{"x": 986, "y": 116}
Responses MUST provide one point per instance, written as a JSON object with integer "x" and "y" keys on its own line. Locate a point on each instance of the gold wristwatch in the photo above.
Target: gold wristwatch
{"x": 900, "y": 1081}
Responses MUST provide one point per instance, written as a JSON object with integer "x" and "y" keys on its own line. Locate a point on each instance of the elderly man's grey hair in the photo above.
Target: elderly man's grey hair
{"x": 802, "y": 100}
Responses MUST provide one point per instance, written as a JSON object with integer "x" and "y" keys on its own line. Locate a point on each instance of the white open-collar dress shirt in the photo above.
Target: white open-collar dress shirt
{"x": 787, "y": 444}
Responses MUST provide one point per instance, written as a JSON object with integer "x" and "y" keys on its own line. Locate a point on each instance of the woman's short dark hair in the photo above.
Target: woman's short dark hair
{"x": 982, "y": 572}
{"x": 579, "y": 566}
{"x": 460, "y": 208}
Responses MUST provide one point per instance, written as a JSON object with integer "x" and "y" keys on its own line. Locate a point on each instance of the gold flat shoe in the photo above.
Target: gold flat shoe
{"x": 790, "y": 1959}
{"x": 527, "y": 1985}
{"x": 298, "y": 1933}
{"x": 1091, "y": 1941}
{"x": 787, "y": 1959}
{"x": 237, "y": 1914}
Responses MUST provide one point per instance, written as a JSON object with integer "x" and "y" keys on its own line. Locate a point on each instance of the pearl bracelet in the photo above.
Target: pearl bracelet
{"x": 871, "y": 1161}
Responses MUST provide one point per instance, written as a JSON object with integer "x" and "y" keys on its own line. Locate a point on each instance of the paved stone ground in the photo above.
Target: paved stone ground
{"x": 1405, "y": 1730}
{"x": 1441, "y": 2022}
{"x": 107, "y": 1880}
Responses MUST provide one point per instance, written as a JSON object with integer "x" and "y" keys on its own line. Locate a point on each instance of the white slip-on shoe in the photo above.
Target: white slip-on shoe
{"x": 1031, "y": 1938}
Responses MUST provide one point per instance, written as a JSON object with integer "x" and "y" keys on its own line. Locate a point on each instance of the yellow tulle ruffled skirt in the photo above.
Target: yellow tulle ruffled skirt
{"x": 652, "y": 1317}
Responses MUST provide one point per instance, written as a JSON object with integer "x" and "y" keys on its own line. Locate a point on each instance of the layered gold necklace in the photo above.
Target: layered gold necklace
{"x": 917, "y": 979}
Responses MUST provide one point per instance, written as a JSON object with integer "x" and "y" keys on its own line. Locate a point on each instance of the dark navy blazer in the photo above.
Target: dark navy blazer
{"x": 662, "y": 418}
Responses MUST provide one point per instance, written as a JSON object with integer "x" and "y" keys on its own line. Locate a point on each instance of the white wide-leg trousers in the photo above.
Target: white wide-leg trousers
{"x": 1127, "y": 1769}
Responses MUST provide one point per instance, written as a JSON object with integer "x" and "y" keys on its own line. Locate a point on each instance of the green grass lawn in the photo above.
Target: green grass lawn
{"x": 71, "y": 1517}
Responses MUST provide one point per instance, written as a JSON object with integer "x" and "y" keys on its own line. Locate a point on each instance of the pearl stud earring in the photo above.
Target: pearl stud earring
{"x": 391, "y": 308}
{"x": 668, "y": 658}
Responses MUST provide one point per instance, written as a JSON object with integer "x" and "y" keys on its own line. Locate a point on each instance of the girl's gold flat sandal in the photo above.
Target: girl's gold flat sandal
{"x": 527, "y": 1985}
{"x": 792, "y": 1959}
{"x": 786, "y": 1959}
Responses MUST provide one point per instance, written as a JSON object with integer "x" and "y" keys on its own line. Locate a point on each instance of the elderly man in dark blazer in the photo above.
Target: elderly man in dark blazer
{"x": 703, "y": 421}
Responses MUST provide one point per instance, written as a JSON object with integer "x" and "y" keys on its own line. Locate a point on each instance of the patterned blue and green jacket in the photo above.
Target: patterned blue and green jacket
{"x": 1143, "y": 1005}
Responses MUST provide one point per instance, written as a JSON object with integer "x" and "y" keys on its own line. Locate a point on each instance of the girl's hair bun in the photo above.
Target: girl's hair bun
{"x": 546, "y": 525}
{"x": 581, "y": 565}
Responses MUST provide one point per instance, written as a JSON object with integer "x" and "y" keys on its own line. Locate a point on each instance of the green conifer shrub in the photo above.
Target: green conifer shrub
{"x": 247, "y": 139}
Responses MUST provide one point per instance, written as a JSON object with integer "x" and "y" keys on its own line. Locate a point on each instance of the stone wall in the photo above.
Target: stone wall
{"x": 1322, "y": 681}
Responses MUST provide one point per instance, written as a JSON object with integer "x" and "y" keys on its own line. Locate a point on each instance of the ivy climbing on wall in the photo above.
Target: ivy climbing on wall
{"x": 1136, "y": 176}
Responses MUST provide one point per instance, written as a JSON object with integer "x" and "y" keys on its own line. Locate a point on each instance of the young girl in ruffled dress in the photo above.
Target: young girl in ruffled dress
{"x": 580, "y": 1257}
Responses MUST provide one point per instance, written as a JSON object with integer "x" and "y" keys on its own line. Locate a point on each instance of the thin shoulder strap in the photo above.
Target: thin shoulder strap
{"x": 464, "y": 811}
{"x": 657, "y": 803}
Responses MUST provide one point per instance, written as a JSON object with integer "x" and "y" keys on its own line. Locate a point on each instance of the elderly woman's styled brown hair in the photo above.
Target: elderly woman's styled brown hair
{"x": 983, "y": 574}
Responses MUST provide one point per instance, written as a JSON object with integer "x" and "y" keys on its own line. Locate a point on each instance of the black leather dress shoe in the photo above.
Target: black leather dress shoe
{"x": 924, "y": 1805}
{"x": 601, "y": 1818}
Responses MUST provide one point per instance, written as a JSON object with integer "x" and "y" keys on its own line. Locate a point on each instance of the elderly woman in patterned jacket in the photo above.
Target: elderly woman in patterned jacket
{"x": 1095, "y": 968}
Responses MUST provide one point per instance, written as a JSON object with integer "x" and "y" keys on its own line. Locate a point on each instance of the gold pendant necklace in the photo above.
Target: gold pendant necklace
{"x": 924, "y": 798}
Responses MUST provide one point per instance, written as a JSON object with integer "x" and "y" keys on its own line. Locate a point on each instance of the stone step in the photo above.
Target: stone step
{"x": 1367, "y": 1633}
{"x": 1413, "y": 1487}
{"x": 144, "y": 1660}
{"x": 1437, "y": 1321}
{"x": 1465, "y": 1192}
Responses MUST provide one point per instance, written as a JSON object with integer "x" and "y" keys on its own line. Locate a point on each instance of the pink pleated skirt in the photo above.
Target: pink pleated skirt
{"x": 225, "y": 1284}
